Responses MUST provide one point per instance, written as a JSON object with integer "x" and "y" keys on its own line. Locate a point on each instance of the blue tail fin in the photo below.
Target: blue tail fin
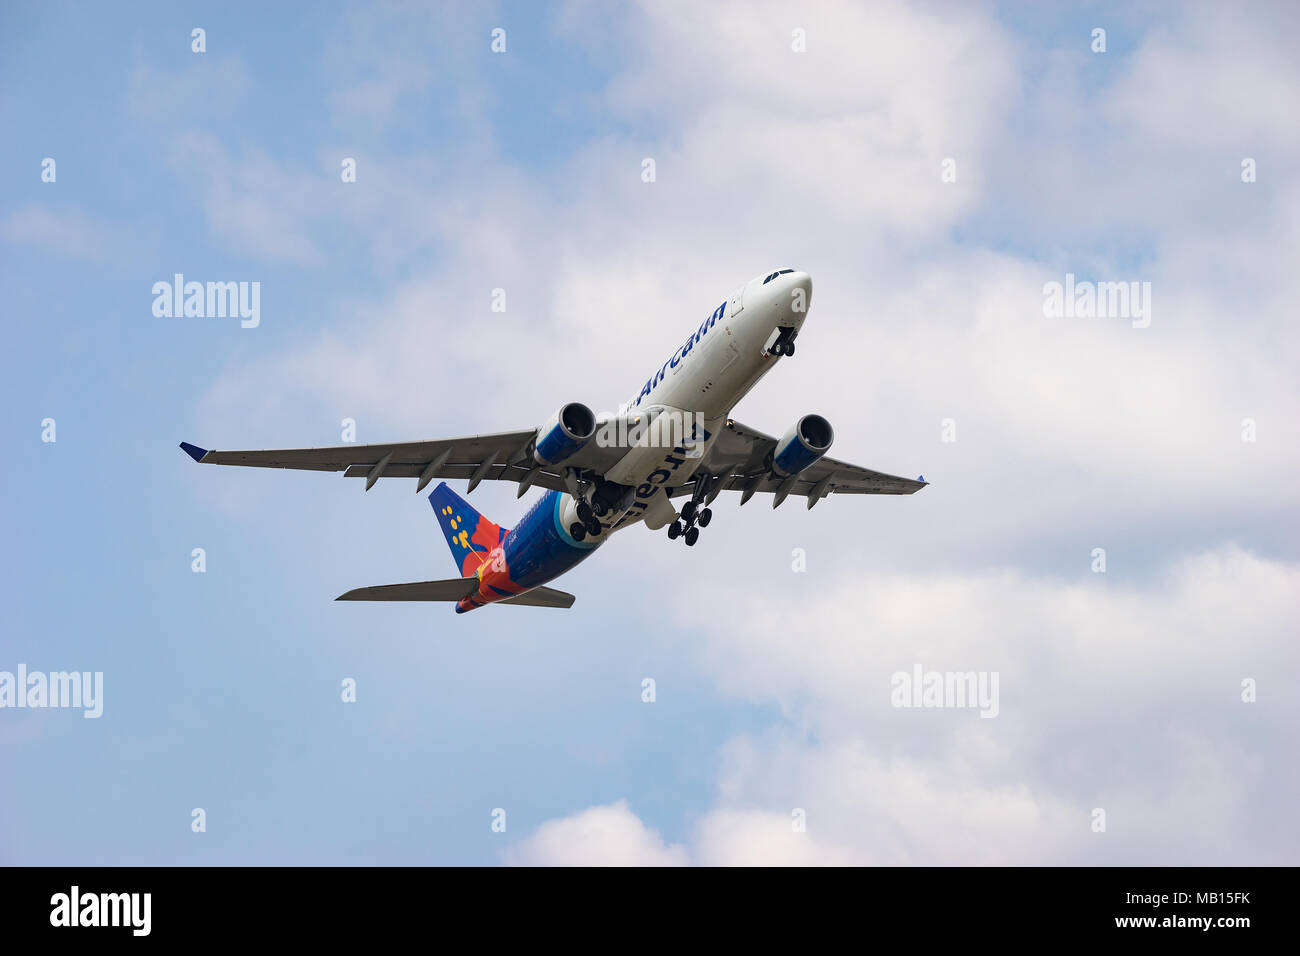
{"x": 470, "y": 536}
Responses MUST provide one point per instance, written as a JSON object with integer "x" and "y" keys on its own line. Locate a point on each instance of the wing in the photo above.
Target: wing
{"x": 505, "y": 456}
{"x": 741, "y": 456}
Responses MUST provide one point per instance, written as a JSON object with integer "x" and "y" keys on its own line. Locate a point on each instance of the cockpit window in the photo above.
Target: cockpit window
{"x": 775, "y": 274}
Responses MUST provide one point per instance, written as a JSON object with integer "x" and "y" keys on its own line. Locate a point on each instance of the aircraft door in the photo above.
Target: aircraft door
{"x": 736, "y": 304}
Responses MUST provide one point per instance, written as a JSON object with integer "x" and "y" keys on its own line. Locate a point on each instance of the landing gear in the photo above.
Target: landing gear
{"x": 694, "y": 517}
{"x": 607, "y": 495}
{"x": 784, "y": 344}
{"x": 594, "y": 500}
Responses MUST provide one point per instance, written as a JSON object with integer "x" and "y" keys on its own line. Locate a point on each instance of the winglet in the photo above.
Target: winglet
{"x": 194, "y": 451}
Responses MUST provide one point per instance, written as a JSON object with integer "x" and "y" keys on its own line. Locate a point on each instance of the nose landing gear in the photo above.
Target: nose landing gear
{"x": 784, "y": 344}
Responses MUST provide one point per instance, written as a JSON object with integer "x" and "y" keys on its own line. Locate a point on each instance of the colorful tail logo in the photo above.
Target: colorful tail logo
{"x": 470, "y": 536}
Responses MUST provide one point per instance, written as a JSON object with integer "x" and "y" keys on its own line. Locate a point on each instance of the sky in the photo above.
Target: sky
{"x": 1110, "y": 528}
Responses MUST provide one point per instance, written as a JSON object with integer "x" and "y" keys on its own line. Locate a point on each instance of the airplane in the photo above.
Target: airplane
{"x": 675, "y": 439}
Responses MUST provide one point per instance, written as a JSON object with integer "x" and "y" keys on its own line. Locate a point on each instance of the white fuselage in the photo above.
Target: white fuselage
{"x": 703, "y": 380}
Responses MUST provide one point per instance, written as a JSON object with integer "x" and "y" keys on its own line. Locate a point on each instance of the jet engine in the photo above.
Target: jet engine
{"x": 564, "y": 433}
{"x": 803, "y": 445}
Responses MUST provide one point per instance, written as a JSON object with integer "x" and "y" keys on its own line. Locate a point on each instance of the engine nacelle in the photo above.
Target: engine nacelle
{"x": 803, "y": 445}
{"x": 564, "y": 433}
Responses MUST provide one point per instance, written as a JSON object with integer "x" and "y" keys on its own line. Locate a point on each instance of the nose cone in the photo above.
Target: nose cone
{"x": 794, "y": 293}
{"x": 803, "y": 281}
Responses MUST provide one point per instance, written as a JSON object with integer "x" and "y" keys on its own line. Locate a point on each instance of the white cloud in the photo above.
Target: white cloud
{"x": 65, "y": 232}
{"x": 1192, "y": 86}
{"x": 600, "y": 836}
{"x": 762, "y": 838}
{"x": 1111, "y": 697}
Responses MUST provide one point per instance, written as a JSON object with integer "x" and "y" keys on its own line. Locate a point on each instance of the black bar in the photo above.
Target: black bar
{"x": 925, "y": 906}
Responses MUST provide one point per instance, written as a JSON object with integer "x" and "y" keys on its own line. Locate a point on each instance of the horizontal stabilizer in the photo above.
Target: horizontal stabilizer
{"x": 452, "y": 589}
{"x": 542, "y": 597}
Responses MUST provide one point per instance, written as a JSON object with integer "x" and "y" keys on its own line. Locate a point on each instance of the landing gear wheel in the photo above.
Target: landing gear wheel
{"x": 705, "y": 517}
{"x": 789, "y": 349}
{"x": 593, "y": 527}
{"x": 577, "y": 531}
{"x": 674, "y": 530}
{"x": 778, "y": 348}
{"x": 584, "y": 512}
{"x": 688, "y": 511}
{"x": 692, "y": 536}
